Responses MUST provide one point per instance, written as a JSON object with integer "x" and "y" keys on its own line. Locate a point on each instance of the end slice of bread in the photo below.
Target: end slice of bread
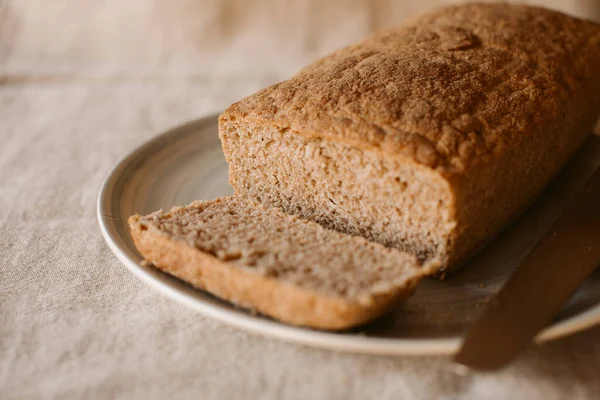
{"x": 282, "y": 266}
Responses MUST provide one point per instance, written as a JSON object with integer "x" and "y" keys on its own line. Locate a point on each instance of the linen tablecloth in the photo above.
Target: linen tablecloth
{"x": 81, "y": 84}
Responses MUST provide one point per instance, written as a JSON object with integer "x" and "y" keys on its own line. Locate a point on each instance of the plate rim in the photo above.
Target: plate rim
{"x": 227, "y": 314}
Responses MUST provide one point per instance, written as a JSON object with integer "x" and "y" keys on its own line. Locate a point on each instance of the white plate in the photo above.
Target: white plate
{"x": 186, "y": 163}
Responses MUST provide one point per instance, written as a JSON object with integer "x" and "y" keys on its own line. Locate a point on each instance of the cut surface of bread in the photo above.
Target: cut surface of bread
{"x": 430, "y": 137}
{"x": 282, "y": 266}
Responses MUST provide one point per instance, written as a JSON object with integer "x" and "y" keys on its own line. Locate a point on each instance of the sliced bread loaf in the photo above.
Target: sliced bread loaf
{"x": 430, "y": 137}
{"x": 290, "y": 269}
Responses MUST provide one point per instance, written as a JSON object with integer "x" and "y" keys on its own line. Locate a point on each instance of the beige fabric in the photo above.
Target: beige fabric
{"x": 75, "y": 96}
{"x": 190, "y": 36}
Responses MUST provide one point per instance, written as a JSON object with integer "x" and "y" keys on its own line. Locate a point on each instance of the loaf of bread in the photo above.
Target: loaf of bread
{"x": 280, "y": 265}
{"x": 430, "y": 137}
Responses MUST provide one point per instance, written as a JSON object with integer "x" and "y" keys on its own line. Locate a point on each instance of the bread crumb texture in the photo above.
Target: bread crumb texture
{"x": 273, "y": 244}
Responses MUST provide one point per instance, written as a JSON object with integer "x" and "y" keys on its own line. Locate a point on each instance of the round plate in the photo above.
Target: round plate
{"x": 186, "y": 163}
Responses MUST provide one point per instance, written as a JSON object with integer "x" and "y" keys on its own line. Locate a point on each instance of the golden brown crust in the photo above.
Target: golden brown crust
{"x": 269, "y": 296}
{"x": 459, "y": 86}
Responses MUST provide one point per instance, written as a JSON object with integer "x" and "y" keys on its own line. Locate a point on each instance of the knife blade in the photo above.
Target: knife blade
{"x": 540, "y": 286}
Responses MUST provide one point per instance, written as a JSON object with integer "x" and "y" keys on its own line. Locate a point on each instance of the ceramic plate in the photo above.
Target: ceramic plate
{"x": 186, "y": 163}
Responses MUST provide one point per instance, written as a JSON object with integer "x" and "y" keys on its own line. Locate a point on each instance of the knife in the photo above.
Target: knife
{"x": 541, "y": 285}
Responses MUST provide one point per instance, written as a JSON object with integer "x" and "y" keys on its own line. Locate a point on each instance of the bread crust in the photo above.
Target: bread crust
{"x": 452, "y": 89}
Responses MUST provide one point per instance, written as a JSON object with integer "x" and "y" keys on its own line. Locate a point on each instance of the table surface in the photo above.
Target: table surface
{"x": 74, "y": 323}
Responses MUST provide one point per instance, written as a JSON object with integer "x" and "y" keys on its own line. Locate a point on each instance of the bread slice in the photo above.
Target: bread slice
{"x": 292, "y": 270}
{"x": 430, "y": 137}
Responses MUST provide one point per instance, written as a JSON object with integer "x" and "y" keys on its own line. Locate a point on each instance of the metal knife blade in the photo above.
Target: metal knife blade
{"x": 540, "y": 286}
